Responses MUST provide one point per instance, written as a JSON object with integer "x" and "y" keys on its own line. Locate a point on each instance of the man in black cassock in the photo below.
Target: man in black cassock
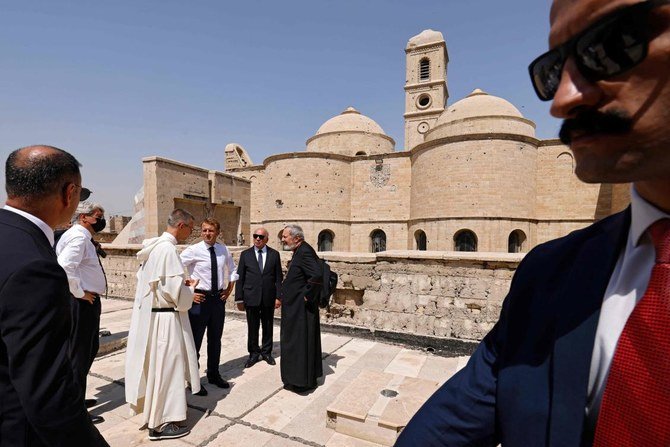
{"x": 300, "y": 331}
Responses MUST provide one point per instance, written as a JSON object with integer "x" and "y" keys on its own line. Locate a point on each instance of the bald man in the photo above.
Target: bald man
{"x": 42, "y": 403}
{"x": 257, "y": 292}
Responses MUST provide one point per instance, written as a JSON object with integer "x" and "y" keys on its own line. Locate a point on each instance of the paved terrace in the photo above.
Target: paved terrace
{"x": 256, "y": 410}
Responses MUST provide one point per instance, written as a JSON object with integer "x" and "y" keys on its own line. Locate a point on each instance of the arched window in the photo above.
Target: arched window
{"x": 516, "y": 241}
{"x": 424, "y": 69}
{"x": 420, "y": 238}
{"x": 465, "y": 240}
{"x": 378, "y": 240}
{"x": 326, "y": 240}
{"x": 361, "y": 153}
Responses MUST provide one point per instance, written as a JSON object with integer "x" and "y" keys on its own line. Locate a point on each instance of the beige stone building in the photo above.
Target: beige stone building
{"x": 472, "y": 176}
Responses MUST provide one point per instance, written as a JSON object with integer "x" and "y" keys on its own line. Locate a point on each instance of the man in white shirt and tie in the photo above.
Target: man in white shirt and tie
{"x": 212, "y": 264}
{"x": 77, "y": 254}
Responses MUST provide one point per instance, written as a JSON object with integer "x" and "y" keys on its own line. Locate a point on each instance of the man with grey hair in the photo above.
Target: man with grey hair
{"x": 161, "y": 353}
{"x": 300, "y": 335}
{"x": 77, "y": 254}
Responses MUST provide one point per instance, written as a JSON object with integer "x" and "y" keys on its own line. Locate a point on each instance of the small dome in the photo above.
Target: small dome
{"x": 478, "y": 103}
{"x": 425, "y": 37}
{"x": 350, "y": 120}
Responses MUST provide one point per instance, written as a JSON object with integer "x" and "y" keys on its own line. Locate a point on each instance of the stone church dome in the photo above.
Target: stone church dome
{"x": 351, "y": 133}
{"x": 350, "y": 120}
{"x": 480, "y": 113}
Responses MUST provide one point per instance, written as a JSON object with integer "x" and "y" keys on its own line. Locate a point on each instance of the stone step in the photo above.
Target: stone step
{"x": 376, "y": 405}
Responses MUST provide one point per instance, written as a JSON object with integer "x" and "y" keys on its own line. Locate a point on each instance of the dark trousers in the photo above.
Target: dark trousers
{"x": 84, "y": 337}
{"x": 259, "y": 316}
{"x": 209, "y": 315}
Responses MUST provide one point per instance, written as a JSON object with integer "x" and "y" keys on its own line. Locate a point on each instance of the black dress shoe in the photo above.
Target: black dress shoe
{"x": 96, "y": 419}
{"x": 251, "y": 361}
{"x": 218, "y": 381}
{"x": 202, "y": 392}
{"x": 90, "y": 402}
{"x": 269, "y": 359}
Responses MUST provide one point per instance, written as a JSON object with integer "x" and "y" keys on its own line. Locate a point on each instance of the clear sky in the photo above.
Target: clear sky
{"x": 115, "y": 81}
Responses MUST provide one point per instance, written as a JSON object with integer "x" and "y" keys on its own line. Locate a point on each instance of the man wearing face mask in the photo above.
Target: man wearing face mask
{"x": 78, "y": 255}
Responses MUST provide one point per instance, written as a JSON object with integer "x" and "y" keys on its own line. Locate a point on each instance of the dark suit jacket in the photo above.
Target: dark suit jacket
{"x": 40, "y": 403}
{"x": 526, "y": 383}
{"x": 254, "y": 287}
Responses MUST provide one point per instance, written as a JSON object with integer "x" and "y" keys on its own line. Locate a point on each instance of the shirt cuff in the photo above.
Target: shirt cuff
{"x": 234, "y": 277}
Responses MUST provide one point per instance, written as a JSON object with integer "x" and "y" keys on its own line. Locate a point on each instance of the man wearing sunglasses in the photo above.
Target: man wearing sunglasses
{"x": 581, "y": 353}
{"x": 257, "y": 292}
{"x": 42, "y": 402}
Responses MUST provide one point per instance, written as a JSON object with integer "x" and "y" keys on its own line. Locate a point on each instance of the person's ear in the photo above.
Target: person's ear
{"x": 70, "y": 194}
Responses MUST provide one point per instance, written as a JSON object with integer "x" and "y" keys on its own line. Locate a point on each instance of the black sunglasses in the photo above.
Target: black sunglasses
{"x": 609, "y": 47}
{"x": 259, "y": 236}
{"x": 84, "y": 194}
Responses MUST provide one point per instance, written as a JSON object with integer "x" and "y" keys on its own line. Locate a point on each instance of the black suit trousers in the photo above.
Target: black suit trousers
{"x": 208, "y": 315}
{"x": 84, "y": 337}
{"x": 259, "y": 316}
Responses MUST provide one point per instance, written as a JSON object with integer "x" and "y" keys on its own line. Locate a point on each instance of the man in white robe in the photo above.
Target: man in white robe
{"x": 161, "y": 355}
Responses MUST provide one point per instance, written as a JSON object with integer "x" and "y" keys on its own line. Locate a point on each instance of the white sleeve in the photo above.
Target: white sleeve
{"x": 69, "y": 258}
{"x": 188, "y": 258}
{"x": 230, "y": 264}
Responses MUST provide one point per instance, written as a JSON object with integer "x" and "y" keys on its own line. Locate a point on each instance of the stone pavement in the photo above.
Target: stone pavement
{"x": 256, "y": 410}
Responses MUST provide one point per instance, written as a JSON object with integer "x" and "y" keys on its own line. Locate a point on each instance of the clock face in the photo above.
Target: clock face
{"x": 423, "y": 127}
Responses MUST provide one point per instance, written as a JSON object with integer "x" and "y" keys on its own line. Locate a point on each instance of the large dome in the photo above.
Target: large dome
{"x": 351, "y": 133}
{"x": 478, "y": 103}
{"x": 480, "y": 113}
{"x": 350, "y": 120}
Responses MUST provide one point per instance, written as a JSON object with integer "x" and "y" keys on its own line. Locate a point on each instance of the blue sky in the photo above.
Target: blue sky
{"x": 116, "y": 81}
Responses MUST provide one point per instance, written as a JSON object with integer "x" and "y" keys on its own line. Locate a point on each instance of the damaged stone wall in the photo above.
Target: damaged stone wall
{"x": 436, "y": 294}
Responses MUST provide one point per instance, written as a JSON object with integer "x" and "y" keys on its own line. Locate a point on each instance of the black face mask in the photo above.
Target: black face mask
{"x": 99, "y": 225}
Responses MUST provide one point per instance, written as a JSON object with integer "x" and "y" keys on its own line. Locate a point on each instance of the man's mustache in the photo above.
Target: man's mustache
{"x": 588, "y": 122}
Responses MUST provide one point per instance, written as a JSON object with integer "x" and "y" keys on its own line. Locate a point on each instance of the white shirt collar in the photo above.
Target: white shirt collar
{"x": 264, "y": 249}
{"x": 643, "y": 214}
{"x": 46, "y": 229}
{"x": 84, "y": 230}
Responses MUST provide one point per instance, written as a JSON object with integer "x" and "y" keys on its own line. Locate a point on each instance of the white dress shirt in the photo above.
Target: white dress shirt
{"x": 77, "y": 255}
{"x": 46, "y": 229}
{"x": 626, "y": 287}
{"x": 265, "y": 255}
{"x": 197, "y": 260}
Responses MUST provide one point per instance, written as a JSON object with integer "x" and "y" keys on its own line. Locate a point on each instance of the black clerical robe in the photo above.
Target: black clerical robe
{"x": 300, "y": 331}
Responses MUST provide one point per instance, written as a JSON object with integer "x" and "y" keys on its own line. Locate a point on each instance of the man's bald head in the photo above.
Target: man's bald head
{"x": 35, "y": 172}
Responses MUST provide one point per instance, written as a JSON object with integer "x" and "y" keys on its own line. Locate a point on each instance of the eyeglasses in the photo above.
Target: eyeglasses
{"x": 607, "y": 48}
{"x": 259, "y": 236}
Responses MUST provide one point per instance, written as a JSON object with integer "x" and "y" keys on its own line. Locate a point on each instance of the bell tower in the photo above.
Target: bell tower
{"x": 425, "y": 84}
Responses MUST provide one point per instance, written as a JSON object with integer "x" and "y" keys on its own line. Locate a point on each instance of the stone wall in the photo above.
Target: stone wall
{"x": 205, "y": 193}
{"x": 434, "y": 294}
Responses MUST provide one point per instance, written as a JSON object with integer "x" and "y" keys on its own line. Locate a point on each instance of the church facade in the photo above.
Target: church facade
{"x": 472, "y": 176}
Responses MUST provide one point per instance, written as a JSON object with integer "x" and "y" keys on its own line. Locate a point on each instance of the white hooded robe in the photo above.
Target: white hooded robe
{"x": 161, "y": 355}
